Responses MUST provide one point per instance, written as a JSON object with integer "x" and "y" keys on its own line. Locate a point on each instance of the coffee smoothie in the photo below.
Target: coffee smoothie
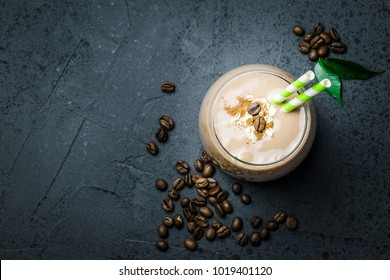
{"x": 246, "y": 134}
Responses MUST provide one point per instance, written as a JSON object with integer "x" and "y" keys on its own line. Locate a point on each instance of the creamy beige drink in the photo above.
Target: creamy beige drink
{"x": 259, "y": 147}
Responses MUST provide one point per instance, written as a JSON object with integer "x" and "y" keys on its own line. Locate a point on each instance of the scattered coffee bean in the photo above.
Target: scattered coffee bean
{"x": 168, "y": 87}
{"x": 199, "y": 201}
{"x": 205, "y": 158}
{"x": 227, "y": 206}
{"x": 201, "y": 221}
{"x": 212, "y": 183}
{"x": 236, "y": 224}
{"x": 162, "y": 245}
{"x": 323, "y": 51}
{"x": 182, "y": 167}
{"x": 215, "y": 191}
{"x": 259, "y": 123}
{"x": 255, "y": 239}
{"x": 202, "y": 183}
{"x": 242, "y": 239}
{"x": 291, "y": 222}
{"x": 280, "y": 217}
{"x": 246, "y": 199}
{"x": 191, "y": 226}
{"x": 223, "y": 231}
{"x": 198, "y": 233}
{"x": 168, "y": 221}
{"x": 178, "y": 184}
{"x": 212, "y": 200}
{"x": 318, "y": 28}
{"x": 166, "y": 123}
{"x": 308, "y": 36}
{"x": 334, "y": 34}
{"x": 254, "y": 108}
{"x": 216, "y": 224}
{"x": 222, "y": 195}
{"x": 178, "y": 221}
{"x": 188, "y": 214}
{"x": 173, "y": 194}
{"x": 190, "y": 244}
{"x": 338, "y": 47}
{"x": 192, "y": 208}
{"x": 219, "y": 210}
{"x": 152, "y": 148}
{"x": 236, "y": 188}
{"x": 167, "y": 205}
{"x": 304, "y": 47}
{"x": 316, "y": 42}
{"x": 208, "y": 170}
{"x": 196, "y": 177}
{"x": 161, "y": 184}
{"x": 326, "y": 37}
{"x": 264, "y": 233}
{"x": 210, "y": 234}
{"x": 161, "y": 135}
{"x": 313, "y": 55}
{"x": 203, "y": 192}
{"x": 188, "y": 180}
{"x": 206, "y": 212}
{"x": 198, "y": 165}
{"x": 162, "y": 230}
{"x": 298, "y": 30}
{"x": 256, "y": 222}
{"x": 185, "y": 202}
{"x": 272, "y": 225}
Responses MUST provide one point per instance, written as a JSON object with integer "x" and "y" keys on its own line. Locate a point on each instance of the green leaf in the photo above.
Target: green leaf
{"x": 346, "y": 69}
{"x": 323, "y": 72}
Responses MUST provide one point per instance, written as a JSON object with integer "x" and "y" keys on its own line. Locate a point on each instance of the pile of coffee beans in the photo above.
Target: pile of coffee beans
{"x": 166, "y": 124}
{"x": 316, "y": 43}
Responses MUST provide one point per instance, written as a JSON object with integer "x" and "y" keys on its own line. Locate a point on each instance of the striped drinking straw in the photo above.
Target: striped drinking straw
{"x": 296, "y": 85}
{"x": 308, "y": 94}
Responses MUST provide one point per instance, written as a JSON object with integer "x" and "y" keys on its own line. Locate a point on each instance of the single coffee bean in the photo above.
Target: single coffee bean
{"x": 162, "y": 230}
{"x": 316, "y": 42}
{"x": 212, "y": 183}
{"x": 334, "y": 34}
{"x": 152, "y": 148}
{"x": 326, "y": 37}
{"x": 246, "y": 199}
{"x": 236, "y": 224}
{"x": 210, "y": 234}
{"x": 215, "y": 191}
{"x": 190, "y": 244}
{"x": 205, "y": 157}
{"x": 168, "y": 221}
{"x": 222, "y": 195}
{"x": 201, "y": 221}
{"x": 161, "y": 184}
{"x": 198, "y": 165}
{"x": 318, "y": 28}
{"x": 199, "y": 201}
{"x": 192, "y": 208}
{"x": 208, "y": 170}
{"x": 223, "y": 232}
{"x": 206, "y": 212}
{"x": 162, "y": 245}
{"x": 254, "y": 108}
{"x": 323, "y": 51}
{"x": 338, "y": 47}
{"x": 167, "y": 205}
{"x": 236, "y": 188}
{"x": 272, "y": 225}
{"x": 227, "y": 206}
{"x": 313, "y": 55}
{"x": 256, "y": 222}
{"x": 298, "y": 30}
{"x": 255, "y": 239}
{"x": 196, "y": 177}
{"x": 291, "y": 222}
{"x": 188, "y": 214}
{"x": 280, "y": 217}
{"x": 188, "y": 180}
{"x": 191, "y": 226}
{"x": 173, "y": 194}
{"x": 182, "y": 167}
{"x": 259, "y": 123}
{"x": 203, "y": 192}
{"x": 198, "y": 233}
{"x": 202, "y": 183}
{"x": 185, "y": 202}
{"x": 166, "y": 123}
{"x": 308, "y": 36}
{"x": 212, "y": 200}
{"x": 178, "y": 221}
{"x": 264, "y": 233}
{"x": 242, "y": 239}
{"x": 219, "y": 210}
{"x": 161, "y": 135}
{"x": 216, "y": 224}
{"x": 304, "y": 47}
{"x": 168, "y": 87}
{"x": 178, "y": 184}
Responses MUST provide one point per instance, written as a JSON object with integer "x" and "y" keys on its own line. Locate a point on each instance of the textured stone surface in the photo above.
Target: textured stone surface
{"x": 81, "y": 96}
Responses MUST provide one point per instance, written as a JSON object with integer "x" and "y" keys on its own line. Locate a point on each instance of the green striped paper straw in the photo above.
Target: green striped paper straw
{"x": 308, "y": 94}
{"x": 296, "y": 85}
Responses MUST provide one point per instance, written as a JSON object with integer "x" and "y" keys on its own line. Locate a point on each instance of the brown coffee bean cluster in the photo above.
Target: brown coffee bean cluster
{"x": 317, "y": 43}
{"x": 166, "y": 124}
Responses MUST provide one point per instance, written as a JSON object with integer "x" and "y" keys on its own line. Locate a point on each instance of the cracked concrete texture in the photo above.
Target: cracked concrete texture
{"x": 81, "y": 97}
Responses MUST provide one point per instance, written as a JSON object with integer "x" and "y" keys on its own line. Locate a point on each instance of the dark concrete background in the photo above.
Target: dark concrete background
{"x": 80, "y": 97}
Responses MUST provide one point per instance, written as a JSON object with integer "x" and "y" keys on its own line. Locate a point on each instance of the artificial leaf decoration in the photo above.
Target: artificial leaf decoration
{"x": 323, "y": 72}
{"x": 346, "y": 69}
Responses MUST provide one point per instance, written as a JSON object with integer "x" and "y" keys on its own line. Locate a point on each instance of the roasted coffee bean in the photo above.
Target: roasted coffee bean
{"x": 223, "y": 232}
{"x": 193, "y": 208}
{"x": 202, "y": 183}
{"x": 161, "y": 135}
{"x": 242, "y": 239}
{"x": 227, "y": 206}
{"x": 208, "y": 170}
{"x": 222, "y": 195}
{"x": 256, "y": 222}
{"x": 318, "y": 28}
{"x": 291, "y": 222}
{"x": 280, "y": 217}
{"x": 219, "y": 210}
{"x": 161, "y": 184}
{"x": 323, "y": 51}
{"x": 199, "y": 201}
{"x": 185, "y": 202}
{"x": 191, "y": 226}
{"x": 236, "y": 224}
{"x": 162, "y": 230}
{"x": 166, "y": 123}
{"x": 203, "y": 192}
{"x": 334, "y": 34}
{"x": 198, "y": 233}
{"x": 201, "y": 221}
{"x": 188, "y": 214}
{"x": 190, "y": 244}
{"x": 255, "y": 239}
{"x": 236, "y": 188}
{"x": 254, "y": 108}
{"x": 167, "y": 205}
{"x": 168, "y": 221}
{"x": 168, "y": 87}
{"x": 198, "y": 165}
{"x": 313, "y": 55}
{"x": 188, "y": 180}
{"x": 210, "y": 234}
{"x": 178, "y": 184}
{"x": 212, "y": 200}
{"x": 298, "y": 30}
{"x": 173, "y": 194}
{"x": 205, "y": 157}
{"x": 215, "y": 191}
{"x": 304, "y": 47}
{"x": 162, "y": 245}
{"x": 152, "y": 148}
{"x": 212, "y": 183}
{"x": 216, "y": 224}
{"x": 196, "y": 177}
{"x": 272, "y": 225}
{"x": 308, "y": 36}
{"x": 338, "y": 47}
{"x": 206, "y": 212}
{"x": 246, "y": 199}
{"x": 264, "y": 233}
{"x": 182, "y": 167}
{"x": 316, "y": 42}
{"x": 178, "y": 221}
{"x": 259, "y": 123}
{"x": 326, "y": 37}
